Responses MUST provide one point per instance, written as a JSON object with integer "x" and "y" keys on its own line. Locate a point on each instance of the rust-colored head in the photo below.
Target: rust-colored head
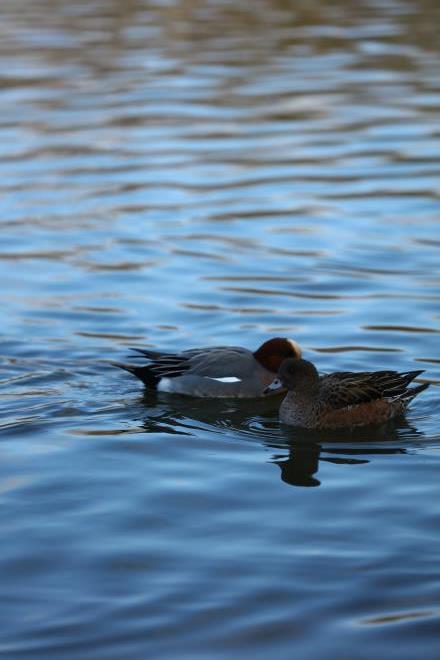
{"x": 274, "y": 351}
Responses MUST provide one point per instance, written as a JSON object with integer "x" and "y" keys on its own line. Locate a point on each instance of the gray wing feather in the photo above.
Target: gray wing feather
{"x": 212, "y": 362}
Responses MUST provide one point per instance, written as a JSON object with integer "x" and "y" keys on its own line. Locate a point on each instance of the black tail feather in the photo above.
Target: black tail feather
{"x": 144, "y": 373}
{"x": 152, "y": 355}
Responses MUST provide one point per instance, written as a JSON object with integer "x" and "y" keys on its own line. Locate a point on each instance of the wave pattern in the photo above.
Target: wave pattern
{"x": 183, "y": 173}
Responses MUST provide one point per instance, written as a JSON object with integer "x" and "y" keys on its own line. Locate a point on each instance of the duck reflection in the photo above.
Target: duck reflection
{"x": 297, "y": 452}
{"x": 301, "y": 464}
{"x": 306, "y": 449}
{"x": 180, "y": 414}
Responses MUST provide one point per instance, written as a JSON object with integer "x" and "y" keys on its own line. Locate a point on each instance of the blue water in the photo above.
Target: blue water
{"x": 180, "y": 174}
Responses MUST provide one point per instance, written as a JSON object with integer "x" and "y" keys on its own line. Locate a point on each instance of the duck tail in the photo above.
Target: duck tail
{"x": 408, "y": 376}
{"x": 149, "y": 354}
{"x": 144, "y": 373}
{"x": 412, "y": 392}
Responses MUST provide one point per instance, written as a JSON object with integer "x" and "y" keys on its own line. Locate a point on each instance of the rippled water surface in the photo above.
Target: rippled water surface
{"x": 179, "y": 174}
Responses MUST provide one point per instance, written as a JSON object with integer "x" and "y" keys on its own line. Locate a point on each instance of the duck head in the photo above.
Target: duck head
{"x": 295, "y": 375}
{"x": 275, "y": 351}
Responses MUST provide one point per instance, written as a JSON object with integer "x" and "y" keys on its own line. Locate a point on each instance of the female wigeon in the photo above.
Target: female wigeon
{"x": 341, "y": 399}
{"x": 220, "y": 371}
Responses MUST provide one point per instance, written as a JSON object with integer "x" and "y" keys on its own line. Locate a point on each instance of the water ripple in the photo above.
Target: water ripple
{"x": 179, "y": 174}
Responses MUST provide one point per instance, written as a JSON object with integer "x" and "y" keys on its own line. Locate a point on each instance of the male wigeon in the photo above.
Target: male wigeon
{"x": 220, "y": 371}
{"x": 341, "y": 399}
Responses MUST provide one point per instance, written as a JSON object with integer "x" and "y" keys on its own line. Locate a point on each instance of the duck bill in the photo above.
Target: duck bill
{"x": 275, "y": 387}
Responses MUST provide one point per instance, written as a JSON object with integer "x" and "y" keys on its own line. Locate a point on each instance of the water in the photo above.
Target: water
{"x": 180, "y": 174}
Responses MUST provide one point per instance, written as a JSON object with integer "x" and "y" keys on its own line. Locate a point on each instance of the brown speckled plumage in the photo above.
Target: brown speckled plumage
{"x": 342, "y": 399}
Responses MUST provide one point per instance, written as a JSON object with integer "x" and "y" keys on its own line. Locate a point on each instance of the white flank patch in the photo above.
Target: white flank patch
{"x": 226, "y": 379}
{"x": 165, "y": 385}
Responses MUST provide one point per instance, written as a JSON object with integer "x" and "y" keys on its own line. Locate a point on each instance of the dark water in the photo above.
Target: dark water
{"x": 176, "y": 174}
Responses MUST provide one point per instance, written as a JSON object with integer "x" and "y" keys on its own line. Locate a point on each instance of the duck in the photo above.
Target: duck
{"x": 342, "y": 399}
{"x": 217, "y": 371}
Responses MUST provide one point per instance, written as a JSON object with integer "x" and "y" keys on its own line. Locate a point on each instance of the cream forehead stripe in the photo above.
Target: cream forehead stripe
{"x": 295, "y": 347}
